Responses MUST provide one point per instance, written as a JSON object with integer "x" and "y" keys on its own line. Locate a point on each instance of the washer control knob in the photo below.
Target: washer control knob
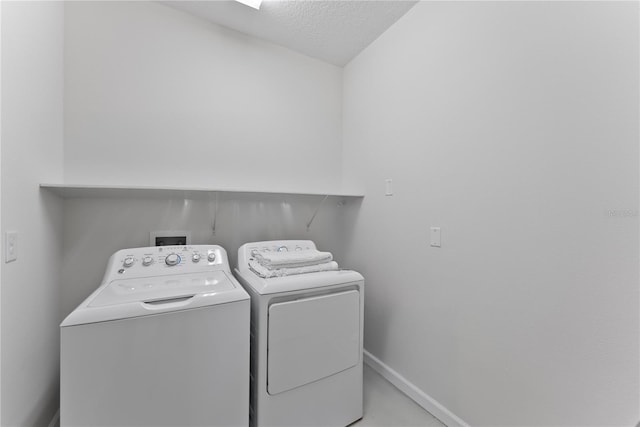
{"x": 195, "y": 257}
{"x": 283, "y": 249}
{"x": 211, "y": 256}
{"x": 172, "y": 259}
{"x": 147, "y": 261}
{"x": 128, "y": 262}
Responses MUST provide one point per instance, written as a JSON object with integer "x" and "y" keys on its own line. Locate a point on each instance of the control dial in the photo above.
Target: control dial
{"x": 128, "y": 261}
{"x": 211, "y": 256}
{"x": 146, "y": 261}
{"x": 283, "y": 249}
{"x": 195, "y": 257}
{"x": 172, "y": 259}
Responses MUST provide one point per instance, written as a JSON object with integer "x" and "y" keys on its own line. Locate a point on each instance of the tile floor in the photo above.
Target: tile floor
{"x": 386, "y": 406}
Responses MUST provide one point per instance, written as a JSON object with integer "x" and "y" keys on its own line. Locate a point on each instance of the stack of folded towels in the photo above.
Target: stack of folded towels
{"x": 277, "y": 264}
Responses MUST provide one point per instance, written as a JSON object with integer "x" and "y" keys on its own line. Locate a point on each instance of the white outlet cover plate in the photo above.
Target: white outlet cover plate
{"x": 10, "y": 246}
{"x": 388, "y": 187}
{"x": 435, "y": 237}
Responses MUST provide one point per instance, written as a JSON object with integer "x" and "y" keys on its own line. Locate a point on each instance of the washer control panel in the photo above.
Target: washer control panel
{"x": 290, "y": 247}
{"x": 166, "y": 260}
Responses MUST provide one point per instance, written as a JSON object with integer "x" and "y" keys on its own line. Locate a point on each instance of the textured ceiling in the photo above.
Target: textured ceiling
{"x": 331, "y": 30}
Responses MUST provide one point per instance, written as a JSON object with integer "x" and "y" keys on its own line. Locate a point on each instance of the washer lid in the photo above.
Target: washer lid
{"x": 126, "y": 298}
{"x": 153, "y": 289}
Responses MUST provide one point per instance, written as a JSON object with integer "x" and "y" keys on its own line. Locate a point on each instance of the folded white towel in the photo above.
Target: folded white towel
{"x": 292, "y": 259}
{"x": 267, "y": 273}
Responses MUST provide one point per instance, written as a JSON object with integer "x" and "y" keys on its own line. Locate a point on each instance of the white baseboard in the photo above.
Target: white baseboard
{"x": 431, "y": 405}
{"x": 55, "y": 420}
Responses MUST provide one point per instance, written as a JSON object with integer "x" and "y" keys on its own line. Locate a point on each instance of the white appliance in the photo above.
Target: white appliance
{"x": 164, "y": 341}
{"x": 306, "y": 343}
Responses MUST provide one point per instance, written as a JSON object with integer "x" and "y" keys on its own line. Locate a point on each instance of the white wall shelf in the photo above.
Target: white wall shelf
{"x": 69, "y": 191}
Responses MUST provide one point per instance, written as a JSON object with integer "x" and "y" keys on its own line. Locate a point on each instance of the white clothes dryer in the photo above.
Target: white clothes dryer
{"x": 164, "y": 341}
{"x": 306, "y": 343}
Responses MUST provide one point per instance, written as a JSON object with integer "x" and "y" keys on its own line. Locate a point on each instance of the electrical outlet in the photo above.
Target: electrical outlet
{"x": 11, "y": 246}
{"x": 435, "y": 237}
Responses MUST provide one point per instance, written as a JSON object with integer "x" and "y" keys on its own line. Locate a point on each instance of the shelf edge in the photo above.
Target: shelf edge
{"x": 89, "y": 190}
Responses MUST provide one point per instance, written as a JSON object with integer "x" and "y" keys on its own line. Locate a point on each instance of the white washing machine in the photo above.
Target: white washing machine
{"x": 164, "y": 341}
{"x": 306, "y": 343}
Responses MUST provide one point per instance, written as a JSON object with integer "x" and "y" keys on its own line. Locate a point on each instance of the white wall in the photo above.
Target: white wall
{"x": 32, "y": 109}
{"x": 514, "y": 127}
{"x": 154, "y": 96}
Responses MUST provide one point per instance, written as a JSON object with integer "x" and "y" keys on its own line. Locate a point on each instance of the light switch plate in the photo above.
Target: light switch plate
{"x": 435, "y": 237}
{"x": 388, "y": 187}
{"x": 11, "y": 246}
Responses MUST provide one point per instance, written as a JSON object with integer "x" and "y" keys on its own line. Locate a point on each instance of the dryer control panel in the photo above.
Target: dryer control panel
{"x": 248, "y": 250}
{"x": 165, "y": 260}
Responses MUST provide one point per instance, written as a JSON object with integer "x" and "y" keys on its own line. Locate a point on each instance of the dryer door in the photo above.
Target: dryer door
{"x": 312, "y": 338}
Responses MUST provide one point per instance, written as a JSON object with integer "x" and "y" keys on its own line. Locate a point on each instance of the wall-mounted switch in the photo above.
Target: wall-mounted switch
{"x": 10, "y": 246}
{"x": 388, "y": 187}
{"x": 435, "y": 237}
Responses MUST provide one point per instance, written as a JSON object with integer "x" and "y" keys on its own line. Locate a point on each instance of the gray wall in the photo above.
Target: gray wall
{"x": 514, "y": 127}
{"x": 32, "y": 120}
